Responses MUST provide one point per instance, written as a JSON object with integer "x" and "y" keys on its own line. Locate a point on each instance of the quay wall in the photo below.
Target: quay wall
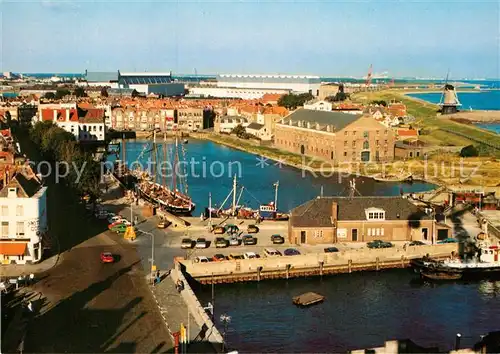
{"x": 212, "y": 334}
{"x": 312, "y": 264}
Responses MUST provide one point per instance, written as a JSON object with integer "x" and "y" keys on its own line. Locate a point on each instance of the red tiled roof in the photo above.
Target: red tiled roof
{"x": 407, "y": 132}
{"x": 48, "y": 114}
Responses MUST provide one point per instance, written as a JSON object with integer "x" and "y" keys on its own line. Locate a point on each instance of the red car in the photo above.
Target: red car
{"x": 107, "y": 257}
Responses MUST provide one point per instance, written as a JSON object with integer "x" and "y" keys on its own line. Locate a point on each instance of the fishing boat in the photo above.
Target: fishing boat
{"x": 485, "y": 262}
{"x": 174, "y": 199}
{"x": 393, "y": 178}
{"x": 266, "y": 211}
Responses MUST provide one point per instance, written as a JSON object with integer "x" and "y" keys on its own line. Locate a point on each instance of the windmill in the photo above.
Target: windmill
{"x": 449, "y": 102}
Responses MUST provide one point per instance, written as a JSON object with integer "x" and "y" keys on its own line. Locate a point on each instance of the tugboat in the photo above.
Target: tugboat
{"x": 485, "y": 263}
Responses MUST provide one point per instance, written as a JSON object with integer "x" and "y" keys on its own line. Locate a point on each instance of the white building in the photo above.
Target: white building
{"x": 294, "y": 83}
{"x": 226, "y": 124}
{"x": 319, "y": 105}
{"x": 232, "y": 92}
{"x": 259, "y": 130}
{"x": 23, "y": 217}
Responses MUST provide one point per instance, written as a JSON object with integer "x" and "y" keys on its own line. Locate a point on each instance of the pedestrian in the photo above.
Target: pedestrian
{"x": 136, "y": 220}
{"x": 32, "y": 278}
{"x": 30, "y": 306}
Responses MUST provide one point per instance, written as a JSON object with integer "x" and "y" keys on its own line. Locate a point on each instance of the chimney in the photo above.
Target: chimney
{"x": 334, "y": 212}
{"x": 317, "y": 126}
{"x": 308, "y": 125}
{"x": 329, "y": 128}
{"x": 290, "y": 122}
{"x": 67, "y": 114}
{"x": 54, "y": 112}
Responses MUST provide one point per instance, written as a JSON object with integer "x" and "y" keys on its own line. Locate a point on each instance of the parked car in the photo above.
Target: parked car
{"x": 249, "y": 240}
{"x": 234, "y": 241}
{"x": 252, "y": 229}
{"x": 232, "y": 229}
{"x": 416, "y": 243}
{"x": 107, "y": 257}
{"x": 271, "y": 252}
{"x": 119, "y": 228}
{"x": 448, "y": 240}
{"x": 201, "y": 243}
{"x": 201, "y": 259}
{"x": 221, "y": 242}
{"x": 379, "y": 244}
{"x": 250, "y": 255}
{"x": 291, "y": 252}
{"x": 163, "y": 224}
{"x": 112, "y": 218}
{"x": 187, "y": 243}
{"x": 277, "y": 239}
{"x": 219, "y": 230}
{"x": 331, "y": 249}
{"x": 234, "y": 256}
{"x": 218, "y": 257}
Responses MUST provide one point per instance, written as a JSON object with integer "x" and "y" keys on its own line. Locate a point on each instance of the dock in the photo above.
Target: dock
{"x": 308, "y": 299}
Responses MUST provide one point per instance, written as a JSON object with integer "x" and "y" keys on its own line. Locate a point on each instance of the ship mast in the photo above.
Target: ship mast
{"x": 154, "y": 157}
{"x": 174, "y": 188}
{"x": 164, "y": 177}
{"x": 234, "y": 196}
{"x": 276, "y": 185}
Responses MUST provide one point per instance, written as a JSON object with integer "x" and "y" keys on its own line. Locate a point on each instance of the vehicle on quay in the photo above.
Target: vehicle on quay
{"x": 113, "y": 217}
{"x": 379, "y": 244}
{"x": 219, "y": 230}
{"x": 201, "y": 243}
{"x": 291, "y": 252}
{"x": 221, "y": 242}
{"x": 277, "y": 239}
{"x": 250, "y": 255}
{"x": 416, "y": 243}
{"x": 331, "y": 249}
{"x": 448, "y": 240}
{"x": 201, "y": 259}
{"x": 249, "y": 240}
{"x": 485, "y": 262}
{"x": 107, "y": 257}
{"x": 187, "y": 243}
{"x": 234, "y": 241}
{"x": 218, "y": 257}
{"x": 232, "y": 229}
{"x": 252, "y": 229}
{"x": 271, "y": 252}
{"x": 234, "y": 256}
{"x": 120, "y": 228}
{"x": 163, "y": 224}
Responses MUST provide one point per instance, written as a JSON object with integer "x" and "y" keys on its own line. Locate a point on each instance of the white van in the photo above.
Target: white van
{"x": 250, "y": 255}
{"x": 271, "y": 252}
{"x": 201, "y": 259}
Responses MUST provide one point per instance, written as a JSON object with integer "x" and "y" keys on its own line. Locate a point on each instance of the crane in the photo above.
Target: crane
{"x": 369, "y": 76}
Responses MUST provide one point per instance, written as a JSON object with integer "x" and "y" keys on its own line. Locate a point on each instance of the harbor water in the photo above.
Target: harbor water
{"x": 210, "y": 169}
{"x": 361, "y": 310}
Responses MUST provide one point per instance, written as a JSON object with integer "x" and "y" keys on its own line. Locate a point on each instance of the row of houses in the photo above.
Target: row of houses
{"x": 23, "y": 207}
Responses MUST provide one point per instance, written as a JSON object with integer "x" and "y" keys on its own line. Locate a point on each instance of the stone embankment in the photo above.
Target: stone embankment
{"x": 312, "y": 264}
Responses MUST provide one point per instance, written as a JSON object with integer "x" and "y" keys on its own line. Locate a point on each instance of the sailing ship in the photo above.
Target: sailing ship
{"x": 485, "y": 262}
{"x": 266, "y": 211}
{"x": 174, "y": 199}
{"x": 121, "y": 171}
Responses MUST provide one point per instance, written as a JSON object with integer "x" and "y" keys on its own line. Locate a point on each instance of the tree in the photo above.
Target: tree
{"x": 292, "y": 101}
{"x": 238, "y": 130}
{"x": 469, "y": 151}
{"x": 79, "y": 92}
{"x": 60, "y": 93}
{"x": 379, "y": 102}
{"x": 104, "y": 92}
{"x": 49, "y": 95}
{"x": 8, "y": 118}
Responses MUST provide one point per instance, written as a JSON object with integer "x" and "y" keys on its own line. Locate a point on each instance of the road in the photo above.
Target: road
{"x": 94, "y": 307}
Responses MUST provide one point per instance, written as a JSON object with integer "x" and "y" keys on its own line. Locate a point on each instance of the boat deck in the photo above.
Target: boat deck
{"x": 308, "y": 299}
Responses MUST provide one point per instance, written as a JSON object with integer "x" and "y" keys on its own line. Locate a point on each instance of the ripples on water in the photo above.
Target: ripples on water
{"x": 361, "y": 310}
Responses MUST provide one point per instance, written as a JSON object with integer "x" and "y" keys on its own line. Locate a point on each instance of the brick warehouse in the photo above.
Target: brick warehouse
{"x": 362, "y": 219}
{"x": 335, "y": 136}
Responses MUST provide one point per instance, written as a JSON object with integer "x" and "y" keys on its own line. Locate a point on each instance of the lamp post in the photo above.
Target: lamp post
{"x": 152, "y": 251}
{"x": 225, "y": 319}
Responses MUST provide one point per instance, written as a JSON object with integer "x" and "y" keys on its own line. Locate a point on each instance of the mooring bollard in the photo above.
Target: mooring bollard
{"x": 321, "y": 268}
{"x": 349, "y": 265}
{"x": 402, "y": 261}
{"x": 377, "y": 263}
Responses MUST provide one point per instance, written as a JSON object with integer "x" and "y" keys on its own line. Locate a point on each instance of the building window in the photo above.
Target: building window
{"x": 20, "y": 228}
{"x": 369, "y": 232}
{"x": 382, "y": 232}
{"x": 19, "y": 210}
{"x": 378, "y": 132}
{"x": 365, "y": 134}
{"x": 376, "y": 142}
{"x": 345, "y": 142}
{"x": 370, "y": 215}
{"x": 345, "y": 153}
{"x": 318, "y": 234}
{"x": 374, "y": 214}
{"x": 386, "y": 132}
{"x": 346, "y": 133}
{"x": 5, "y": 210}
{"x": 366, "y": 145}
{"x": 354, "y": 132}
{"x": 5, "y": 229}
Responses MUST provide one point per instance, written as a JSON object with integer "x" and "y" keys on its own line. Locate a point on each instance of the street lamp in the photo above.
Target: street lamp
{"x": 225, "y": 319}
{"x": 152, "y": 250}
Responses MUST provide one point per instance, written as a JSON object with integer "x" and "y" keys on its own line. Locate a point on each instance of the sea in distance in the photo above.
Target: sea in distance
{"x": 485, "y": 100}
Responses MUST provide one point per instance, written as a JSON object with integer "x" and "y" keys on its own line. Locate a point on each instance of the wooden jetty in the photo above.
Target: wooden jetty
{"x": 308, "y": 299}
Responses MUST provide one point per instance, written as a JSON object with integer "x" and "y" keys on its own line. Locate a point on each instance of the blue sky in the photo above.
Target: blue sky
{"x": 421, "y": 38}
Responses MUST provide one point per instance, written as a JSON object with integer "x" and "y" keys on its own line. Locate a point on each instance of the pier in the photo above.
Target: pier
{"x": 313, "y": 264}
